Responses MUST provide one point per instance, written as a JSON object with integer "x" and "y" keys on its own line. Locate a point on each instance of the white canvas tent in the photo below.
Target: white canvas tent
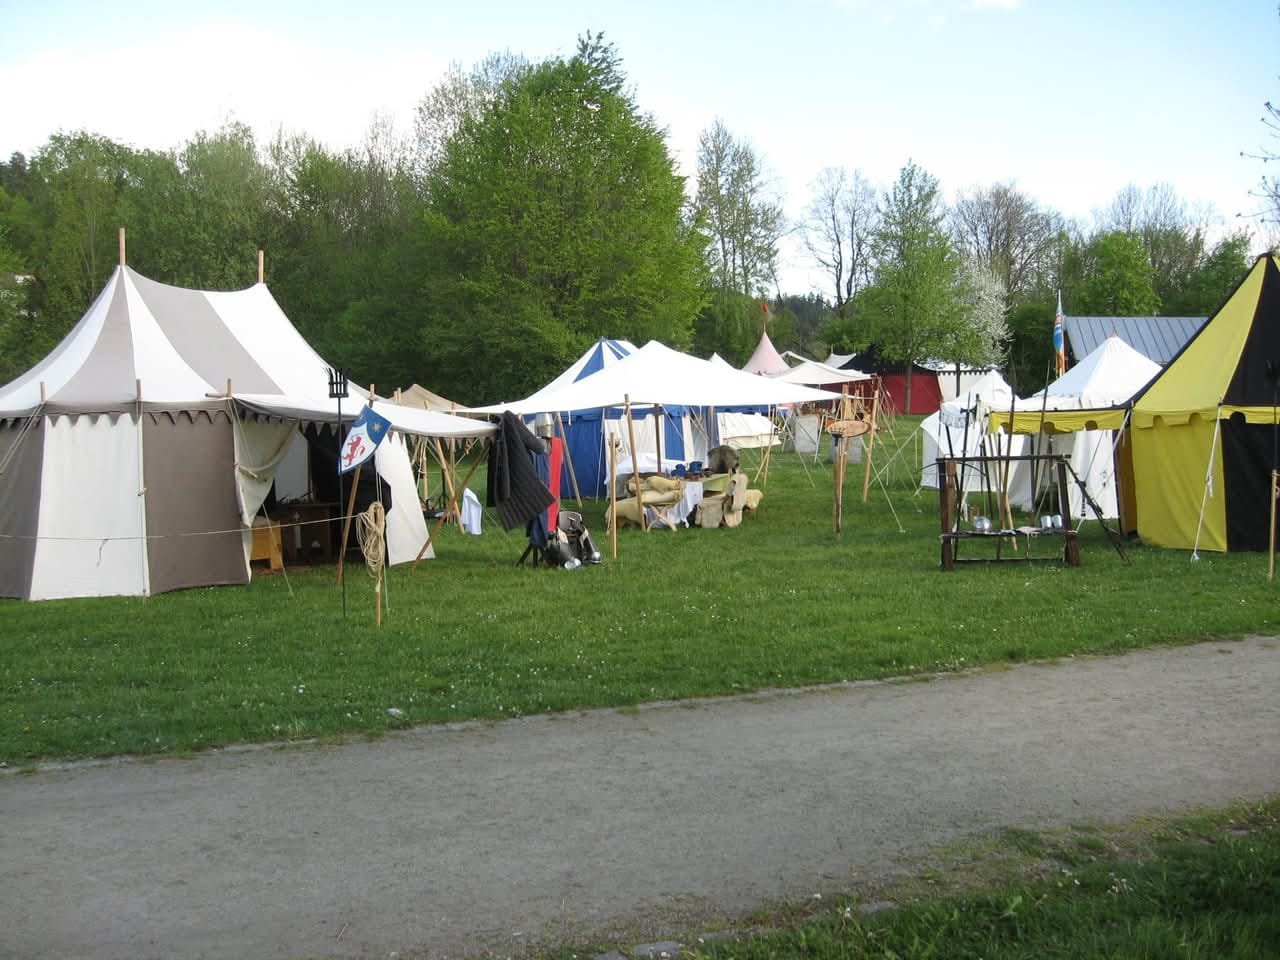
{"x": 585, "y": 430}
{"x": 815, "y": 374}
{"x": 1107, "y": 377}
{"x": 656, "y": 375}
{"x": 135, "y": 456}
{"x": 959, "y": 429}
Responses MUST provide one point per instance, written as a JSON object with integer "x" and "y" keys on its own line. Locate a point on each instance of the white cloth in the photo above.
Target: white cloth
{"x": 471, "y": 512}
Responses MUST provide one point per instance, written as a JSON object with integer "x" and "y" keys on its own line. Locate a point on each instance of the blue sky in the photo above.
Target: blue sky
{"x": 1072, "y": 100}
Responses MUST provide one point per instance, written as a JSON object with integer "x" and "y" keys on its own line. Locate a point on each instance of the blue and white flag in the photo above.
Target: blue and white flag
{"x": 362, "y": 440}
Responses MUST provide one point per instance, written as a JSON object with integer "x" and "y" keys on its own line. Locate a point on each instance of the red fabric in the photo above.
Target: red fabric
{"x": 926, "y": 396}
{"x": 557, "y": 458}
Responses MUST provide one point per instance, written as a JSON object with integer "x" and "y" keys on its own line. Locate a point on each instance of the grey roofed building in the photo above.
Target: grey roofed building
{"x": 1157, "y": 338}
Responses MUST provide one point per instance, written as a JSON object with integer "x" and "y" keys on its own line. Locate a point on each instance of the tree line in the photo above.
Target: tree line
{"x": 537, "y": 207}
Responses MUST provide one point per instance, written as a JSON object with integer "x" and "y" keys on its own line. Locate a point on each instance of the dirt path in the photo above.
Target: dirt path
{"x": 444, "y": 842}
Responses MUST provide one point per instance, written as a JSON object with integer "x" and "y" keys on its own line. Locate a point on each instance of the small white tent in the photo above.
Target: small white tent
{"x": 959, "y": 428}
{"x": 135, "y": 456}
{"x": 1107, "y": 377}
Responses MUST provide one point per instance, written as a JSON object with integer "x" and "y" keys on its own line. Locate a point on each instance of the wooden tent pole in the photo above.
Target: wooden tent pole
{"x": 122, "y": 246}
{"x": 613, "y": 494}
{"x": 870, "y": 446}
{"x": 346, "y": 521}
{"x": 635, "y": 460}
{"x": 449, "y": 479}
{"x": 453, "y": 504}
{"x": 842, "y": 452}
{"x": 658, "y": 427}
{"x": 351, "y": 500}
{"x": 261, "y": 267}
{"x": 573, "y": 474}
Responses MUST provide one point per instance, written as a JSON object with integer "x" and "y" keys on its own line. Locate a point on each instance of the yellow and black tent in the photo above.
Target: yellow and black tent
{"x": 1203, "y": 435}
{"x": 1204, "y": 431}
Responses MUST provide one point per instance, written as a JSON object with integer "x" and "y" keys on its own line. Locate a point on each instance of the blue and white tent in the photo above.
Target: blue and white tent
{"x": 584, "y": 430}
{"x": 653, "y": 378}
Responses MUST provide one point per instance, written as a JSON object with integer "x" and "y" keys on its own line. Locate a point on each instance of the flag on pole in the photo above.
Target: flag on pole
{"x": 1059, "y": 343}
{"x": 362, "y": 440}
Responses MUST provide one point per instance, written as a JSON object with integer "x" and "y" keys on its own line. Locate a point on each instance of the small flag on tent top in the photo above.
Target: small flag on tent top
{"x": 363, "y": 438}
{"x": 1059, "y": 343}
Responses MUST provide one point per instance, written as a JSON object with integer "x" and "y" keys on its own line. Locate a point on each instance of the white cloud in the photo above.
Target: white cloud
{"x": 995, "y": 4}
{"x": 160, "y": 93}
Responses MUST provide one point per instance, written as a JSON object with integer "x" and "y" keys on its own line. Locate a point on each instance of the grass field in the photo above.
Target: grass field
{"x": 780, "y": 601}
{"x": 1202, "y": 887}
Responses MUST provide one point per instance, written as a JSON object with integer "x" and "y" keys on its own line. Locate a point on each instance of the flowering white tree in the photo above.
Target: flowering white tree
{"x": 982, "y": 335}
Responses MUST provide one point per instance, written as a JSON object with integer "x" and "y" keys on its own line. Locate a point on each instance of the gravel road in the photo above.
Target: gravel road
{"x": 451, "y": 841}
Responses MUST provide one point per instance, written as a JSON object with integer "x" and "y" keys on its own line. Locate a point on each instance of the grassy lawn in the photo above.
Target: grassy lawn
{"x": 1203, "y": 887}
{"x": 779, "y": 601}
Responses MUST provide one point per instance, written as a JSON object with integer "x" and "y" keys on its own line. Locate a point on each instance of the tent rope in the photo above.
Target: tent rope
{"x": 35, "y": 415}
{"x": 1208, "y": 483}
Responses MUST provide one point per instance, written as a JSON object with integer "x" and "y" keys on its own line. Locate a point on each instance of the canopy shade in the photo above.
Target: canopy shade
{"x": 814, "y": 374}
{"x": 423, "y": 423}
{"x": 656, "y": 375}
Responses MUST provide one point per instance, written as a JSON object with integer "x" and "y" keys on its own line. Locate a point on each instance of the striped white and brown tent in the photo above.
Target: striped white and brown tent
{"x": 135, "y": 456}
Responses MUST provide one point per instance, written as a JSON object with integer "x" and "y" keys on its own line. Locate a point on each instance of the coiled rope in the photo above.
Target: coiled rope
{"x": 371, "y": 532}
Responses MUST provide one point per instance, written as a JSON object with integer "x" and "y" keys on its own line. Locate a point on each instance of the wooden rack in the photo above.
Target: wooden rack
{"x": 1019, "y": 539}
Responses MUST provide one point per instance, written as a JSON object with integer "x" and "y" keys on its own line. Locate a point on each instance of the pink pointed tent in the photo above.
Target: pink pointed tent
{"x": 766, "y": 359}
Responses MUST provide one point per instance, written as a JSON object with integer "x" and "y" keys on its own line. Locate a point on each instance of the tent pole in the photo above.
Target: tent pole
{"x": 449, "y": 479}
{"x": 1271, "y": 541}
{"x": 871, "y": 444}
{"x": 658, "y": 427}
{"x": 573, "y": 474}
{"x": 842, "y": 452}
{"x": 346, "y": 521}
{"x": 635, "y": 460}
{"x": 453, "y": 505}
{"x": 261, "y": 267}
{"x": 122, "y": 246}
{"x": 613, "y": 494}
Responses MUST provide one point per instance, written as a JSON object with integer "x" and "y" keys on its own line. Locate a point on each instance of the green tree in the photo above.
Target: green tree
{"x": 1007, "y": 233}
{"x": 348, "y": 259}
{"x": 743, "y": 223}
{"x": 1211, "y": 281}
{"x": 555, "y": 217}
{"x": 15, "y": 313}
{"x": 1030, "y": 345}
{"x": 1118, "y": 279}
{"x": 914, "y": 310}
{"x": 79, "y": 179}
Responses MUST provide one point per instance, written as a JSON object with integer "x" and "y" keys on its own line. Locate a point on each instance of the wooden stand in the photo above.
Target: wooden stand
{"x": 951, "y": 536}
